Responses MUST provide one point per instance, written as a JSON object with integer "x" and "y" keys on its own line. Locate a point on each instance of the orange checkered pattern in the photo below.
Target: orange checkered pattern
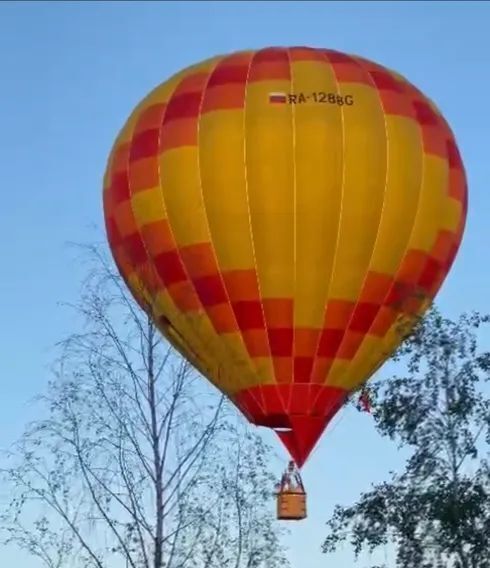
{"x": 277, "y": 245}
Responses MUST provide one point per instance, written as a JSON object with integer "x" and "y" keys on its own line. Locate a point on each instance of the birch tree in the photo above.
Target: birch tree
{"x": 136, "y": 463}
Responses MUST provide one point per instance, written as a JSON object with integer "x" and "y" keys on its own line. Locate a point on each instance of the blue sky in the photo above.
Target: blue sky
{"x": 70, "y": 74}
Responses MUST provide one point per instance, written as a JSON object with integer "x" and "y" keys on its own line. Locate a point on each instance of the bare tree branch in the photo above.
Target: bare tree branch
{"x": 137, "y": 459}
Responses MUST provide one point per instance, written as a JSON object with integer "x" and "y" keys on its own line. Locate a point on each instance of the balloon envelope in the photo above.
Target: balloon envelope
{"x": 277, "y": 213}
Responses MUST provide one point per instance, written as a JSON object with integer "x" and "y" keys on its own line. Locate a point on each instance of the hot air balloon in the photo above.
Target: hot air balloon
{"x": 277, "y": 213}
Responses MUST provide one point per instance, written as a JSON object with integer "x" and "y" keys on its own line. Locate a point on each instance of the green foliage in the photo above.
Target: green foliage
{"x": 436, "y": 512}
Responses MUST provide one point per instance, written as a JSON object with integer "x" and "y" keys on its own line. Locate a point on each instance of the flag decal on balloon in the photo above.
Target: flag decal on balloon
{"x": 277, "y": 98}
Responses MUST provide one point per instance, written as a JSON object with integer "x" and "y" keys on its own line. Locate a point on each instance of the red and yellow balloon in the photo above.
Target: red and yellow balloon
{"x": 277, "y": 212}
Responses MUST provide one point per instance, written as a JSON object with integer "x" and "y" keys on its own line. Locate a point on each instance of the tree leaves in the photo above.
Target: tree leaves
{"x": 437, "y": 510}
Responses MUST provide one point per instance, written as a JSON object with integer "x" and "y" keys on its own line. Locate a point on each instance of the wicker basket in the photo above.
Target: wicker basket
{"x": 291, "y": 506}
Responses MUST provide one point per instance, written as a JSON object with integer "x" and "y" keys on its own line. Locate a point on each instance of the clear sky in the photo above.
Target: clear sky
{"x": 69, "y": 75}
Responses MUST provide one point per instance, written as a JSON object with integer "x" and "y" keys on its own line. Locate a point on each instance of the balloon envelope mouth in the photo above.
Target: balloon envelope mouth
{"x": 278, "y": 422}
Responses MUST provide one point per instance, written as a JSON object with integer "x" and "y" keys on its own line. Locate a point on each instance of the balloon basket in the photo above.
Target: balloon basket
{"x": 291, "y": 495}
{"x": 291, "y": 506}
